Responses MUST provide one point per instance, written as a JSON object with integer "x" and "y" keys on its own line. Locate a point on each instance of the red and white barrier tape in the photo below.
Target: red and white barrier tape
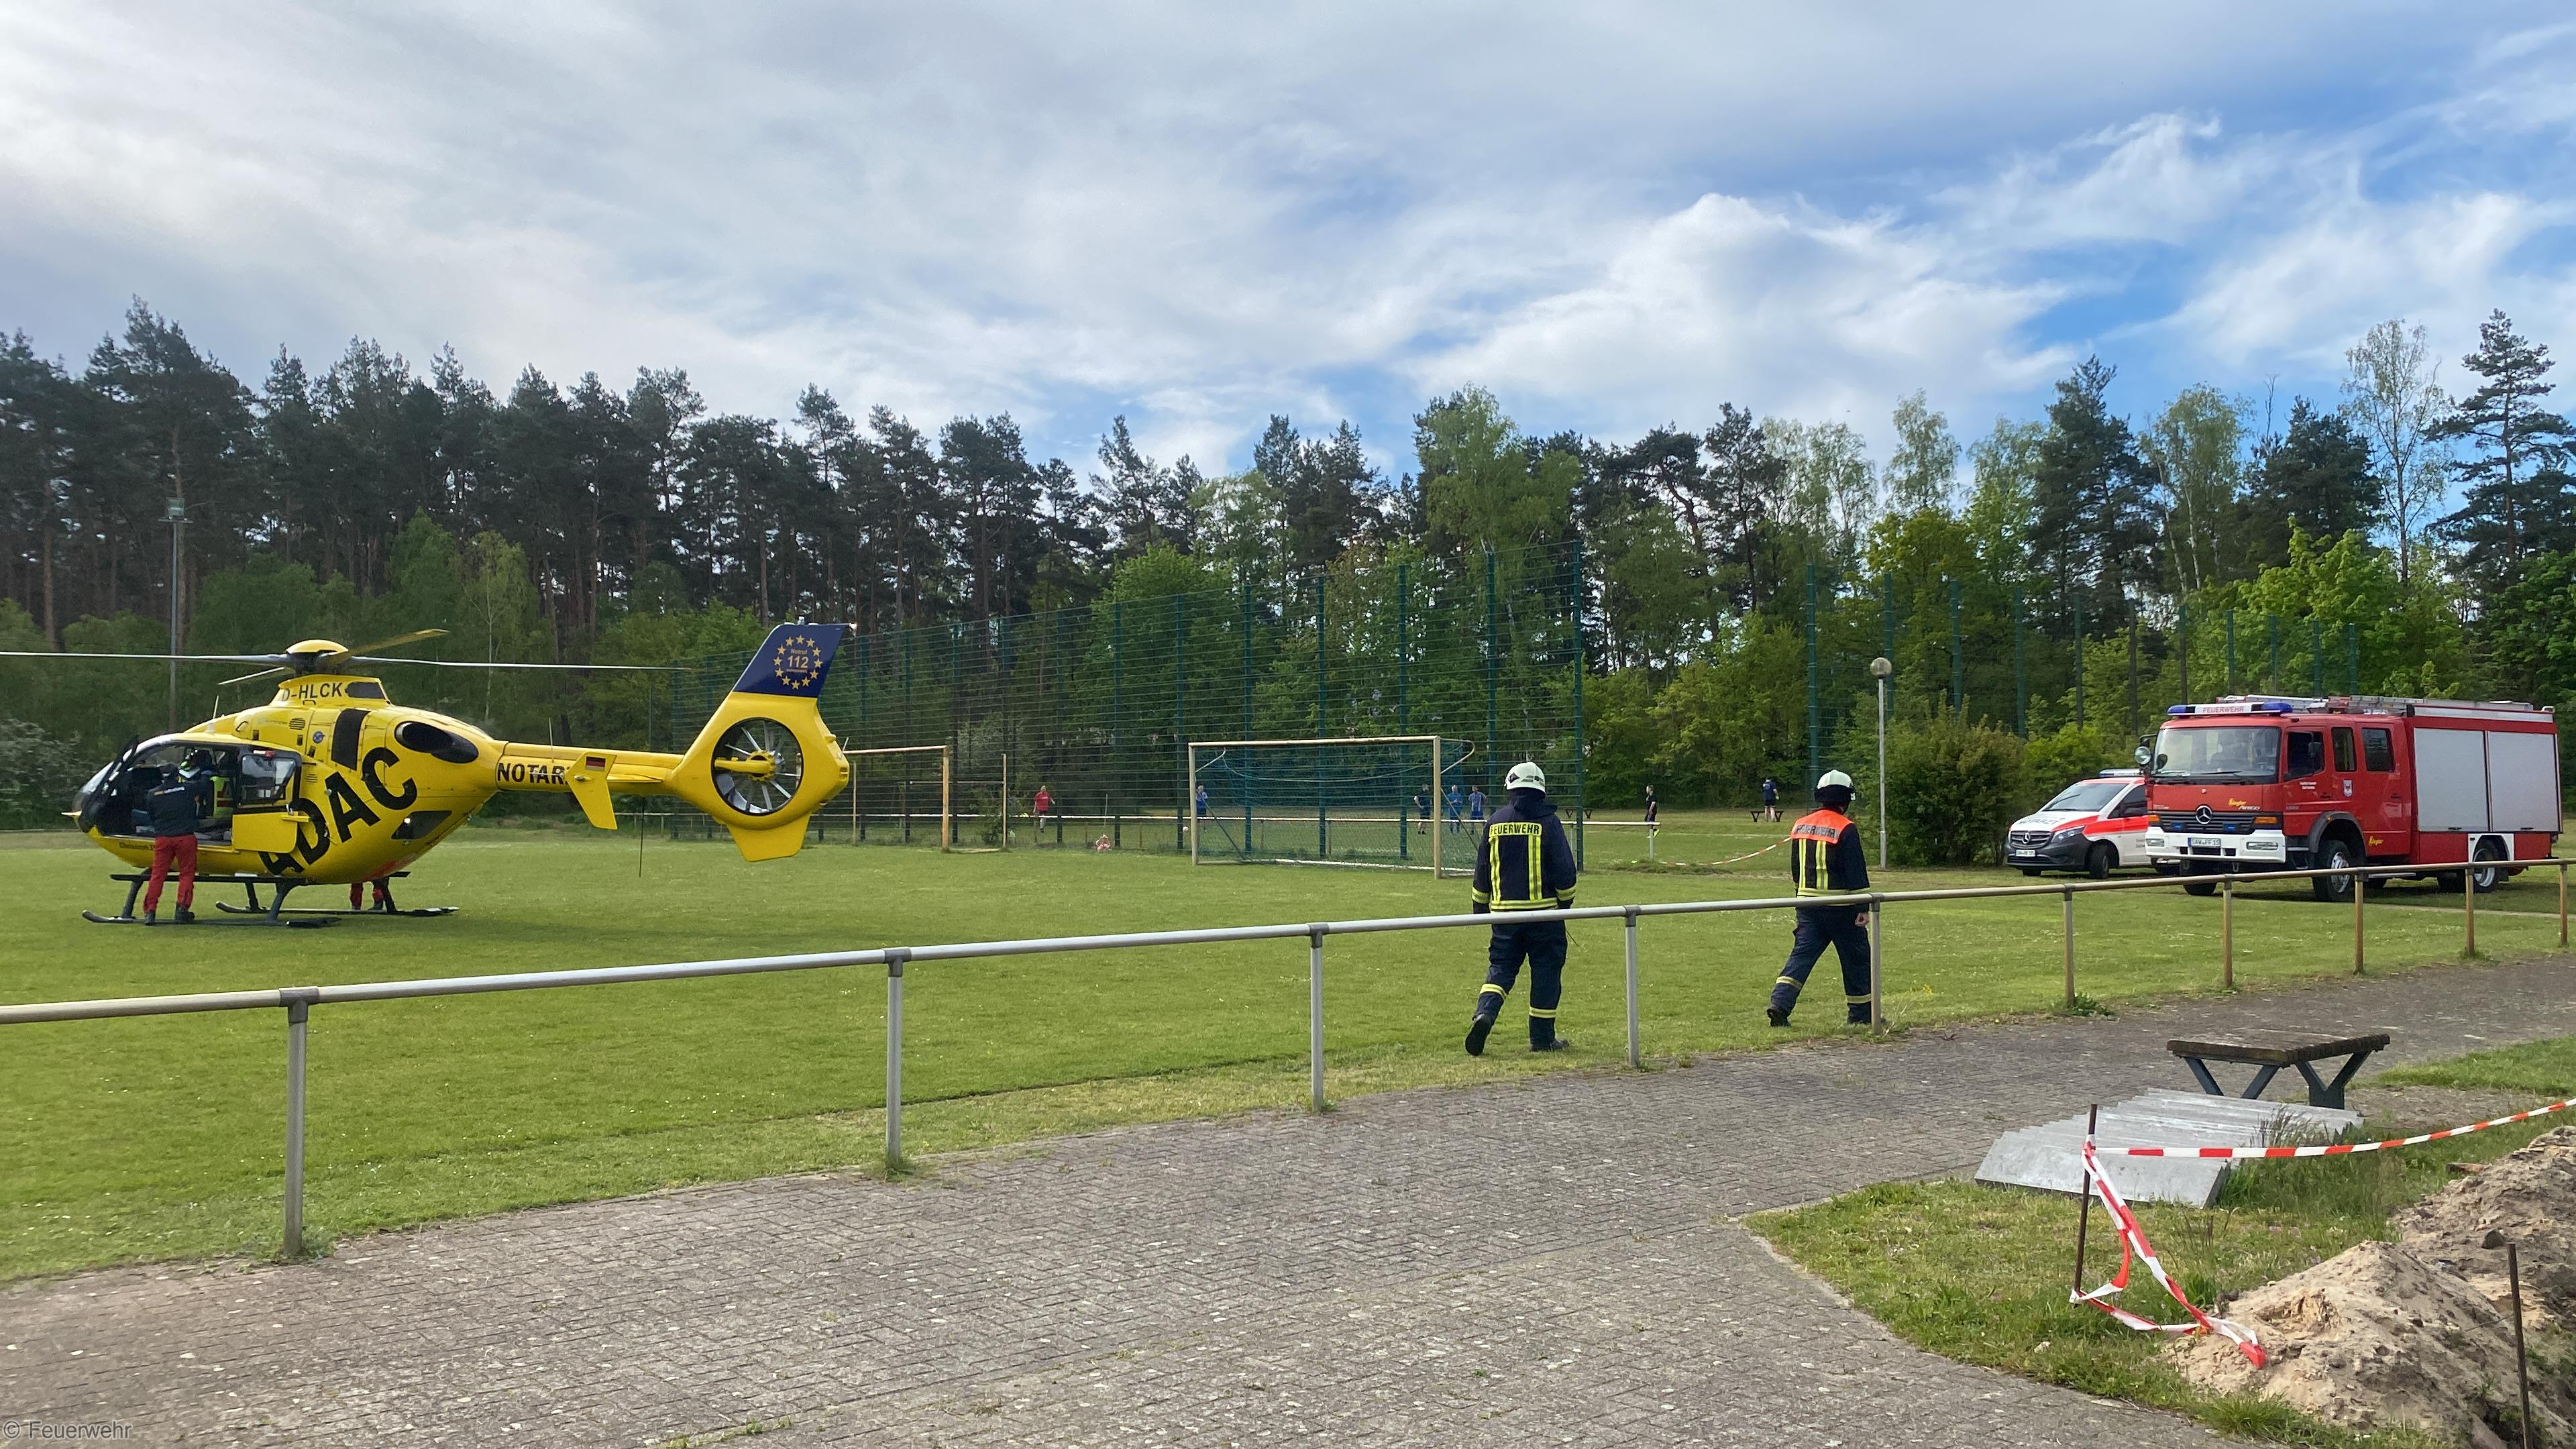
{"x": 2134, "y": 1246}
{"x": 2338, "y": 1149}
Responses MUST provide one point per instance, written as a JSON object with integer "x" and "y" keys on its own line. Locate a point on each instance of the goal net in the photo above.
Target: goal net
{"x": 897, "y": 796}
{"x": 1396, "y": 801}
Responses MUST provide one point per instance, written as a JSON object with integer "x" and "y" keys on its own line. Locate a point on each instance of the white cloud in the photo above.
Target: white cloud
{"x": 1202, "y": 216}
{"x": 1785, "y": 309}
{"x": 2307, "y": 293}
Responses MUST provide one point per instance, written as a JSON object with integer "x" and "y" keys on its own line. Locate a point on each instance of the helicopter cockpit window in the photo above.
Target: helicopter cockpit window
{"x": 225, "y": 776}
{"x": 267, "y": 776}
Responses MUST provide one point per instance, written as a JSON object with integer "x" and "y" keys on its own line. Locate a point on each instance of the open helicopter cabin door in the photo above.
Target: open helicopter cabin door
{"x": 264, "y": 815}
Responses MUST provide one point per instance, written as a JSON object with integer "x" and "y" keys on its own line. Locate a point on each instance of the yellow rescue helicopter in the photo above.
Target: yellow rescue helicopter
{"x": 332, "y": 783}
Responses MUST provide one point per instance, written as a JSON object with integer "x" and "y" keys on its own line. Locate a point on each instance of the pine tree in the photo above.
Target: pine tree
{"x": 2095, "y": 521}
{"x": 2516, "y": 500}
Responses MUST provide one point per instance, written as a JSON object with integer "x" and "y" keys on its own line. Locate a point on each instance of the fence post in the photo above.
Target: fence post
{"x": 1315, "y": 1016}
{"x": 1815, "y": 715}
{"x": 1633, "y": 1059}
{"x": 2562, "y": 904}
{"x": 1493, "y": 666}
{"x": 1877, "y": 962}
{"x": 2068, "y": 913}
{"x": 2227, "y": 932}
{"x": 2360, "y": 888}
{"x": 2021, "y": 684}
{"x": 894, "y": 959}
{"x": 2469, "y": 908}
{"x": 299, "y": 1005}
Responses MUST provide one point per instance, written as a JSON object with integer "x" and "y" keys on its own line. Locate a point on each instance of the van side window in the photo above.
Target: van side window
{"x": 2343, "y": 750}
{"x": 2307, "y": 754}
{"x": 2375, "y": 751}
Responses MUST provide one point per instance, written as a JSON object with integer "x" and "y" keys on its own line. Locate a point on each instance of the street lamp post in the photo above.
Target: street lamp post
{"x": 1879, "y": 669}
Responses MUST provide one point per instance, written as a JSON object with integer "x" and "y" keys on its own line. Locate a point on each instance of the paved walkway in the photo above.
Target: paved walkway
{"x": 1544, "y": 1262}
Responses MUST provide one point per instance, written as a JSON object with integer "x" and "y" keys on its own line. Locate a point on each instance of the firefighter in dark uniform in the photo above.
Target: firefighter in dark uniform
{"x": 1825, "y": 860}
{"x": 1523, "y": 863}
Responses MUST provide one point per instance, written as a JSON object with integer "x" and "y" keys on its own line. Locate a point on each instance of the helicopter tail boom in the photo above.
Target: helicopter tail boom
{"x": 763, "y": 762}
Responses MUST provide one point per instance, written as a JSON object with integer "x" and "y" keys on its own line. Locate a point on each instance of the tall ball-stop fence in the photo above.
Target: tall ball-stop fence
{"x": 1997, "y": 652}
{"x": 1099, "y": 704}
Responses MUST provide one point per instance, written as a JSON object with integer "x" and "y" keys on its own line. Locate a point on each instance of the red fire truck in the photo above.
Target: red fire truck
{"x": 2261, "y": 782}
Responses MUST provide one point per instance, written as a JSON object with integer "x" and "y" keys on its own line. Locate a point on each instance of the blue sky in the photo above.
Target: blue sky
{"x": 1614, "y": 216}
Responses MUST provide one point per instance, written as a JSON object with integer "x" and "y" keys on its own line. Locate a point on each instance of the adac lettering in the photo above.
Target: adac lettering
{"x": 347, "y": 810}
{"x": 312, "y": 840}
{"x": 531, "y": 772}
{"x": 371, "y": 769}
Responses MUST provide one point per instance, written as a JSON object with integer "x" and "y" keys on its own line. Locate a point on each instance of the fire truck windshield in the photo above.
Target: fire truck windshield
{"x": 2219, "y": 754}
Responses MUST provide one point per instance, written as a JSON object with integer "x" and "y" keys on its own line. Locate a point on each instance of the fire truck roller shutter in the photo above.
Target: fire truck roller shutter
{"x": 2522, "y": 782}
{"x": 2450, "y": 779}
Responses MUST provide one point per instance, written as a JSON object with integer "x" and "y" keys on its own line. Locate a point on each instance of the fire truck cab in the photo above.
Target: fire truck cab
{"x": 2264, "y": 782}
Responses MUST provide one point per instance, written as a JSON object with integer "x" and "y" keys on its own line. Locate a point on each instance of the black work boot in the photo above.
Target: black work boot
{"x": 1552, "y": 1044}
{"x": 185, "y": 917}
{"x": 151, "y": 918}
{"x": 1778, "y": 1016}
{"x": 1477, "y": 1029}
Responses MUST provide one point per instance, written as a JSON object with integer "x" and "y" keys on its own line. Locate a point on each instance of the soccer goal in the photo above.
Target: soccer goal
{"x": 898, "y": 796}
{"x": 1392, "y": 801}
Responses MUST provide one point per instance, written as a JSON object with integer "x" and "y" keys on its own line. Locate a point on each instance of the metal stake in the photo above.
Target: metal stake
{"x": 2521, "y": 1357}
{"x": 1633, "y": 1059}
{"x": 2562, "y": 904}
{"x": 1315, "y": 1016}
{"x": 2360, "y": 888}
{"x": 2084, "y": 1213}
{"x": 894, "y": 1058}
{"x": 299, "y": 1006}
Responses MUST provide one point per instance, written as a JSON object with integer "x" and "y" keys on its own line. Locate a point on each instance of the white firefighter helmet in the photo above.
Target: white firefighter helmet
{"x": 1526, "y": 776}
{"x": 1833, "y": 780}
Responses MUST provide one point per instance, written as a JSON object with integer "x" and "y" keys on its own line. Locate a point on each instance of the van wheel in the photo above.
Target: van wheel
{"x": 2030, "y": 870}
{"x": 2098, "y": 862}
{"x": 2334, "y": 853}
{"x": 2489, "y": 877}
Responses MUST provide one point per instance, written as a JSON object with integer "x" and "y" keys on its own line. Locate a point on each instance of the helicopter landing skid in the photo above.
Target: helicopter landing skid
{"x": 274, "y": 912}
{"x": 262, "y": 919}
{"x": 310, "y": 911}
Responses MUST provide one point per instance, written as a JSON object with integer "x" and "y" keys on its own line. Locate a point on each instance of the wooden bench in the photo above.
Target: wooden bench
{"x": 2269, "y": 1051}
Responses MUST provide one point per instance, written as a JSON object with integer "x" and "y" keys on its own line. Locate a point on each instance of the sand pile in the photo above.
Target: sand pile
{"x": 2531, "y": 1196}
{"x": 2418, "y": 1331}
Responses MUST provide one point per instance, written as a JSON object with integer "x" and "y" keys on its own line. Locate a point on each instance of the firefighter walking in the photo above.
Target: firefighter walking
{"x": 1825, "y": 860}
{"x": 1523, "y": 863}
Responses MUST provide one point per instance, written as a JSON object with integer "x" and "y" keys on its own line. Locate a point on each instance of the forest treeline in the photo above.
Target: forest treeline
{"x": 2427, "y": 506}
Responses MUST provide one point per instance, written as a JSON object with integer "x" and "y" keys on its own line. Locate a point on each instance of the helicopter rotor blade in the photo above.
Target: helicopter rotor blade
{"x": 499, "y": 664}
{"x": 332, "y": 661}
{"x": 273, "y": 659}
{"x": 247, "y": 678}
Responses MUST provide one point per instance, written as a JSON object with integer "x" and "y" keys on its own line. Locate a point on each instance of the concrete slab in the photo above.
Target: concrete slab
{"x": 2051, "y": 1156}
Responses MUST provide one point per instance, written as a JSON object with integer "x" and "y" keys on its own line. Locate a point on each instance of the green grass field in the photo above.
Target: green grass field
{"x": 1980, "y": 1273}
{"x": 161, "y": 1137}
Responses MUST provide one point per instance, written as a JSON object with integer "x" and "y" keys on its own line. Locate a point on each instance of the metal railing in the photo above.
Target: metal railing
{"x": 299, "y": 1001}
